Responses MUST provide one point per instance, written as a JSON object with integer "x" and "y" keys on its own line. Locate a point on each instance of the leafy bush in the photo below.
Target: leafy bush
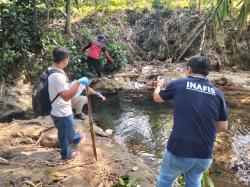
{"x": 21, "y": 24}
{"x": 9, "y": 56}
{"x": 206, "y": 180}
{"x": 118, "y": 53}
{"x": 125, "y": 181}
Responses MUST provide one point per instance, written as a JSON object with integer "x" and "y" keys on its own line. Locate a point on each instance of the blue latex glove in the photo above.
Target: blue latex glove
{"x": 98, "y": 94}
{"x": 84, "y": 80}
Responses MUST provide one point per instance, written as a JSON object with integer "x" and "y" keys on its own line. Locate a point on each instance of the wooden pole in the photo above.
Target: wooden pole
{"x": 91, "y": 122}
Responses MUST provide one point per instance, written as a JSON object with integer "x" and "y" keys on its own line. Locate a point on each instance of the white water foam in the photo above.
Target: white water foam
{"x": 241, "y": 157}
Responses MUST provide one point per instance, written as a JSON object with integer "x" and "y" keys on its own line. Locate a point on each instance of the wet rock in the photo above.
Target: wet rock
{"x": 84, "y": 126}
{"x": 100, "y": 132}
{"x": 112, "y": 85}
{"x": 148, "y": 158}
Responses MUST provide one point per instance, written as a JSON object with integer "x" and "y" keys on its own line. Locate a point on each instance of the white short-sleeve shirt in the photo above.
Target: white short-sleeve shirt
{"x": 58, "y": 82}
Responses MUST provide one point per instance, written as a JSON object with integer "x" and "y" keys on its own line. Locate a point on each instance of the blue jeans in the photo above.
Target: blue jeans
{"x": 173, "y": 166}
{"x": 66, "y": 134}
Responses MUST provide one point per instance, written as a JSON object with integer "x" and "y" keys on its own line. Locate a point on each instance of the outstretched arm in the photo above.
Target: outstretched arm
{"x": 98, "y": 94}
{"x": 107, "y": 55}
{"x": 156, "y": 96}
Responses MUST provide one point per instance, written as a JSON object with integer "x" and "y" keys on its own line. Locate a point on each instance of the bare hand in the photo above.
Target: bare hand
{"x": 160, "y": 82}
{"x": 103, "y": 98}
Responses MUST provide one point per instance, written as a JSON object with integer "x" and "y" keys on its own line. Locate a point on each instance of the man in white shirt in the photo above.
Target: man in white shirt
{"x": 61, "y": 112}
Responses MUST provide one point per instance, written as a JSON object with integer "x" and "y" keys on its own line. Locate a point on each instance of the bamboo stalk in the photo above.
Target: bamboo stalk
{"x": 91, "y": 122}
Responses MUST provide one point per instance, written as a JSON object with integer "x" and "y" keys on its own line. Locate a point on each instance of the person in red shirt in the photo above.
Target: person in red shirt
{"x": 95, "y": 48}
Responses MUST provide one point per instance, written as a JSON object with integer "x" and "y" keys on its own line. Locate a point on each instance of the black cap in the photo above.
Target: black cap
{"x": 199, "y": 64}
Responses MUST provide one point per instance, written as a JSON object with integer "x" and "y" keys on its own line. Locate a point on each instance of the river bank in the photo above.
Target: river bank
{"x": 29, "y": 154}
{"x": 30, "y": 157}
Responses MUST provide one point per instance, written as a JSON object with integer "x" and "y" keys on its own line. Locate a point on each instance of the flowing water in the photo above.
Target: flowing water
{"x": 145, "y": 127}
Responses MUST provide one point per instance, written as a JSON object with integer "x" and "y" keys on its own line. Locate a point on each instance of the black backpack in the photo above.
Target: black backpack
{"x": 40, "y": 94}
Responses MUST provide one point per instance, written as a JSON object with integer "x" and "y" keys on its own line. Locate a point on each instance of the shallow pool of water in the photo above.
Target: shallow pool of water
{"x": 143, "y": 124}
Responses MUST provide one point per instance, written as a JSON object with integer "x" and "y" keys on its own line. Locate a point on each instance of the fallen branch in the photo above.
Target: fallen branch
{"x": 30, "y": 183}
{"x": 133, "y": 75}
{"x": 43, "y": 133}
{"x": 190, "y": 43}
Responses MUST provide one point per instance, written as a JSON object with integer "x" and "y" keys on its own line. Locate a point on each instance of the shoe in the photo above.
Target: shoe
{"x": 81, "y": 135}
{"x": 80, "y": 116}
{"x": 73, "y": 155}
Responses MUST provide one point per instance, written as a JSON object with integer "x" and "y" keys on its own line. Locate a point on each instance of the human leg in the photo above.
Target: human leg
{"x": 194, "y": 175}
{"x": 65, "y": 135}
{"x": 167, "y": 175}
{"x": 78, "y": 102}
{"x": 91, "y": 67}
{"x": 98, "y": 67}
{"x": 75, "y": 137}
{"x": 172, "y": 167}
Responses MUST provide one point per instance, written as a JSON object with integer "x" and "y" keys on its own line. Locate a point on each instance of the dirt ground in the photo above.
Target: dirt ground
{"x": 24, "y": 162}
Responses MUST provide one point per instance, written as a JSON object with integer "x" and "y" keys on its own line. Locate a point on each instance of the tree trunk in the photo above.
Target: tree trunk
{"x": 68, "y": 18}
{"x": 47, "y": 2}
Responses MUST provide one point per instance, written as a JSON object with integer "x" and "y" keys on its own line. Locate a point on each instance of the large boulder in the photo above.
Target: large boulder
{"x": 15, "y": 101}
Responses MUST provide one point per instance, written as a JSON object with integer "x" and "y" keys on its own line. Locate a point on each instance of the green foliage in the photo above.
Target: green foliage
{"x": 224, "y": 9}
{"x": 157, "y": 4}
{"x": 125, "y": 181}
{"x": 244, "y": 12}
{"x": 21, "y": 25}
{"x": 181, "y": 180}
{"x": 9, "y": 56}
{"x": 77, "y": 67}
{"x": 118, "y": 53}
{"x": 160, "y": 4}
{"x": 26, "y": 44}
{"x": 206, "y": 180}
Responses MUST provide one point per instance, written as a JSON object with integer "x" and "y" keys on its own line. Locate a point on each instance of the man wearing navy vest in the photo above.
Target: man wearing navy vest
{"x": 95, "y": 48}
{"x": 199, "y": 113}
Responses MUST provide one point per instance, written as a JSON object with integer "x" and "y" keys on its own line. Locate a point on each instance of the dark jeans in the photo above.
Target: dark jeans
{"x": 94, "y": 66}
{"x": 66, "y": 134}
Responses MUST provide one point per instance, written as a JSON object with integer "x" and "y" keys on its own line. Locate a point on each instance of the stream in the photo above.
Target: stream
{"x": 140, "y": 122}
{"x": 145, "y": 127}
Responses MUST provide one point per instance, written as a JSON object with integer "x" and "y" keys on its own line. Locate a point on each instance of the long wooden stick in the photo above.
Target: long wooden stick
{"x": 91, "y": 122}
